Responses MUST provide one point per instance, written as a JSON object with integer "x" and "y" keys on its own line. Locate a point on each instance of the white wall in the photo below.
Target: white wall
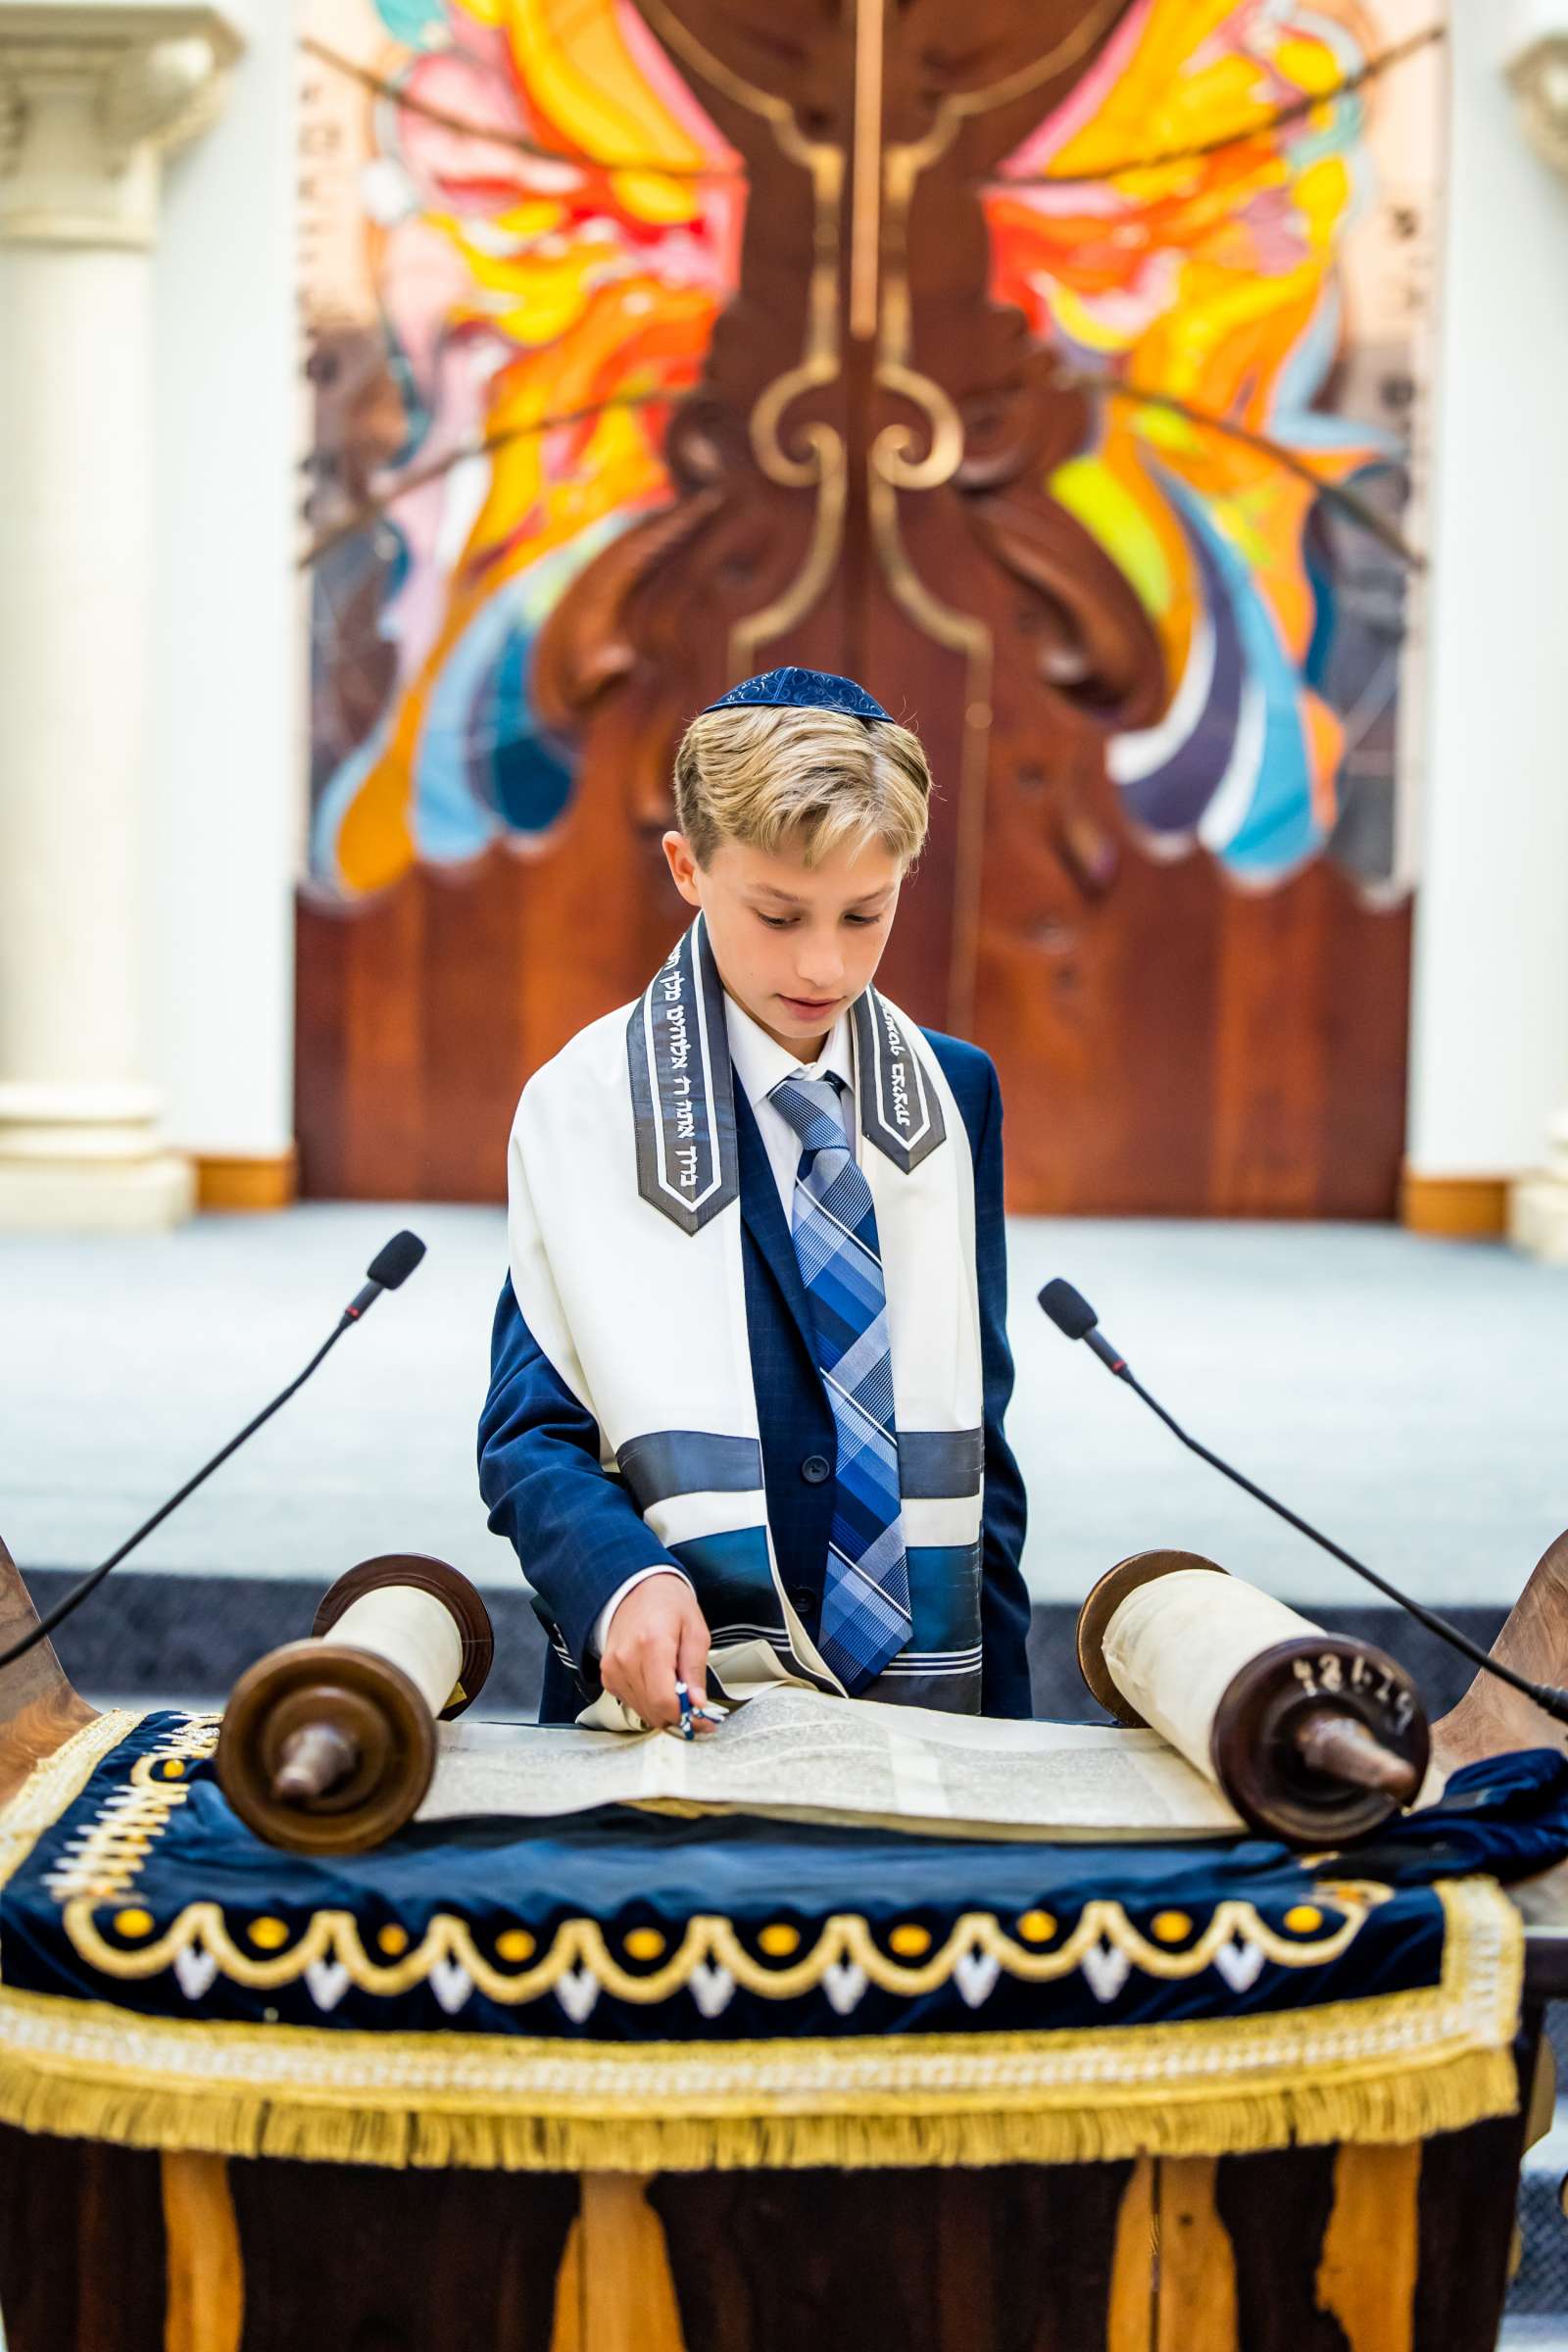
{"x": 227, "y": 657}
{"x": 1490, "y": 1035}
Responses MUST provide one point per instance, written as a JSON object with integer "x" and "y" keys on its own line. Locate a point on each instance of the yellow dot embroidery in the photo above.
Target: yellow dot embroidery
{"x": 392, "y": 1940}
{"x": 778, "y": 1939}
{"x": 268, "y": 1933}
{"x": 643, "y": 1943}
{"x": 1170, "y": 1927}
{"x": 1037, "y": 1927}
{"x": 174, "y": 1769}
{"x": 1302, "y": 1918}
{"x": 133, "y": 1923}
{"x": 910, "y": 1942}
{"x": 1356, "y": 1892}
{"x": 514, "y": 1943}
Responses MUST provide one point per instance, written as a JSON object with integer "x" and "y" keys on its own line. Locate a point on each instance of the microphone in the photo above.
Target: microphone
{"x": 1076, "y": 1319}
{"x": 388, "y": 1270}
{"x": 390, "y": 1267}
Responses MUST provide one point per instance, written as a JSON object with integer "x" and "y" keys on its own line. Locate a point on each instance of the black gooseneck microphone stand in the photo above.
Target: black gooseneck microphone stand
{"x": 1076, "y": 1319}
{"x": 388, "y": 1270}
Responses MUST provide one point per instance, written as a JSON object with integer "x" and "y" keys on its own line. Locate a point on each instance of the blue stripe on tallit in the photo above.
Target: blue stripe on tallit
{"x": 736, "y": 1580}
{"x": 945, "y": 1595}
{"x": 688, "y": 1461}
{"x": 940, "y": 1463}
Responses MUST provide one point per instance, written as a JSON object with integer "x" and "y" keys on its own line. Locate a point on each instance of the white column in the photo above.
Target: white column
{"x": 230, "y": 763}
{"x": 1538, "y": 1215}
{"x": 1489, "y": 1057}
{"x": 90, "y": 95}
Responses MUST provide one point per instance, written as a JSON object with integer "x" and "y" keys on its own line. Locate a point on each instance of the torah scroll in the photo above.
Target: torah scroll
{"x": 795, "y": 1754}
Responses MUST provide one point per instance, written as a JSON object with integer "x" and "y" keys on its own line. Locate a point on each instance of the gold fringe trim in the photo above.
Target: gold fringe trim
{"x": 1393, "y": 2067}
{"x": 1399, "y": 2107}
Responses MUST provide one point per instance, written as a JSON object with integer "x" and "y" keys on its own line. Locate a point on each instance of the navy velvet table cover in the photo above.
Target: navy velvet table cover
{"x": 643, "y": 1877}
{"x": 147, "y": 1898}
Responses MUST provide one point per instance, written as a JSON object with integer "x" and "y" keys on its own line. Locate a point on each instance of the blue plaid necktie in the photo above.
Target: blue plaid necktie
{"x": 865, "y": 1592}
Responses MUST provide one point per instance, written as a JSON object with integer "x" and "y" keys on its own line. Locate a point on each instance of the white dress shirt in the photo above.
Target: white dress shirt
{"x": 758, "y": 1062}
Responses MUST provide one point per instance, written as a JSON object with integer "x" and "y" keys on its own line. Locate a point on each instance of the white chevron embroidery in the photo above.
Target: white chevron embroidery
{"x": 844, "y": 1983}
{"x": 712, "y": 1988}
{"x": 577, "y": 1991}
{"x": 1239, "y": 1963}
{"x": 1107, "y": 1970}
{"x": 450, "y": 1984}
{"x": 195, "y": 1967}
{"x": 329, "y": 1982}
{"x": 975, "y": 1972}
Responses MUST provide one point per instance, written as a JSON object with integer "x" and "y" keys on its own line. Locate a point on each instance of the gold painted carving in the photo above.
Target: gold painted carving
{"x": 819, "y": 462}
{"x": 865, "y": 224}
{"x": 892, "y": 469}
{"x": 879, "y": 307}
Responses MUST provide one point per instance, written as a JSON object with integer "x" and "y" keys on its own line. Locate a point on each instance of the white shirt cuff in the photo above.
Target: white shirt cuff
{"x": 601, "y": 1632}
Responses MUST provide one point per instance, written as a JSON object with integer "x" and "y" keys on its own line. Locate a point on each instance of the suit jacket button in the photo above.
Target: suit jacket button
{"x": 815, "y": 1469}
{"x": 804, "y": 1599}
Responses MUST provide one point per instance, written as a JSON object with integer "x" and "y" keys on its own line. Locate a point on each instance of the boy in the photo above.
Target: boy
{"x": 750, "y": 1368}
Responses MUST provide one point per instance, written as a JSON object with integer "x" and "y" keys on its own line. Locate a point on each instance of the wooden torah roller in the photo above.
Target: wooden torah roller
{"x": 329, "y": 1746}
{"x": 1313, "y": 1738}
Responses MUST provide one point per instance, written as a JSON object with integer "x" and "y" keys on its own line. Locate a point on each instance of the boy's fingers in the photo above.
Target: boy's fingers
{"x": 664, "y": 1640}
{"x": 646, "y": 1680}
{"x": 659, "y": 1702}
{"x": 692, "y": 1662}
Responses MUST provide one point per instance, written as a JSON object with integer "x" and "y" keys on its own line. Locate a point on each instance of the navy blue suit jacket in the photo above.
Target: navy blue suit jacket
{"x": 575, "y": 1528}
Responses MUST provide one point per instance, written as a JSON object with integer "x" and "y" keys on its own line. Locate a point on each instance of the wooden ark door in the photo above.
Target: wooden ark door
{"x": 881, "y": 465}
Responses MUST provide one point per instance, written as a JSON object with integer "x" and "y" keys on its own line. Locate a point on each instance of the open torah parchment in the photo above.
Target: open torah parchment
{"x": 793, "y": 1754}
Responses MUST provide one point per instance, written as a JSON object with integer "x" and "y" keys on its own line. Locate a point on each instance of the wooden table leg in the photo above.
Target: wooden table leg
{"x": 615, "y": 2292}
{"x": 206, "y": 2311}
{"x": 1195, "y": 2295}
{"x": 1130, "y": 2307}
{"x": 1371, "y": 2247}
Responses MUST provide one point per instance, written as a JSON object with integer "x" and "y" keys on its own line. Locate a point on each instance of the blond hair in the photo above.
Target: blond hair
{"x": 813, "y": 779}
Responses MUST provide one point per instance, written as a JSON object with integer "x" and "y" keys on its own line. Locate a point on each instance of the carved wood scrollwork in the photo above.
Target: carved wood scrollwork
{"x": 798, "y": 464}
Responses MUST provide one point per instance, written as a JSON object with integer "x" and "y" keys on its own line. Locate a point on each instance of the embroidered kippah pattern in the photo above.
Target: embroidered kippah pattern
{"x": 794, "y": 689}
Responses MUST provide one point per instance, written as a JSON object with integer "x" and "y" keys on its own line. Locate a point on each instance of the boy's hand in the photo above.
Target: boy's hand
{"x": 658, "y": 1637}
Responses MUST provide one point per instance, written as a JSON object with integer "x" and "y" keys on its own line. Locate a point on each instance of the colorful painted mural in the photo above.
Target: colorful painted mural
{"x": 498, "y": 286}
{"x": 461, "y": 289}
{"x": 1228, "y": 283}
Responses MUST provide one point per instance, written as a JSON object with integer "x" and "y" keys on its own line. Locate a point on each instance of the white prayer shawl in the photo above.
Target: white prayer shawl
{"x": 625, "y": 1241}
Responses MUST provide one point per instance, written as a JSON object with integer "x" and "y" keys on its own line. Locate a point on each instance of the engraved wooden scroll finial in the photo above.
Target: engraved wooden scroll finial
{"x": 1314, "y": 1738}
{"x": 1342, "y": 1748}
{"x": 329, "y": 1746}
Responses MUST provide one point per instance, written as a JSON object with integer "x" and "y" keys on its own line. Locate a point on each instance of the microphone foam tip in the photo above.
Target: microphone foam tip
{"x": 1069, "y": 1309}
{"x": 395, "y": 1260}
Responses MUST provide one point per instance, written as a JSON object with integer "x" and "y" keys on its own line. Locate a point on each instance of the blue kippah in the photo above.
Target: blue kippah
{"x": 801, "y": 690}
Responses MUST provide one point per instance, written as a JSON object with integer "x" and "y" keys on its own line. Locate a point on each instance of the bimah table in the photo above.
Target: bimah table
{"x": 634, "y": 2080}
